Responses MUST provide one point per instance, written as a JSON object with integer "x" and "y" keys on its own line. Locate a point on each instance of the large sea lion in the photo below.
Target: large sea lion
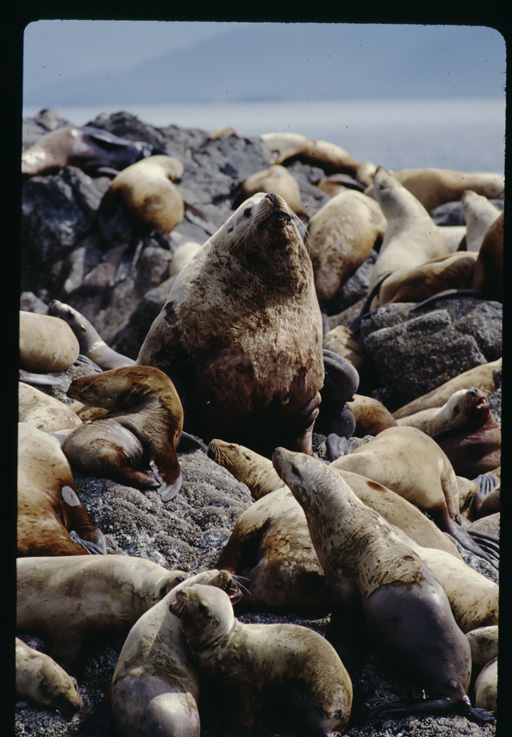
{"x": 91, "y": 343}
{"x": 341, "y": 235}
{"x": 94, "y": 150}
{"x": 241, "y": 332}
{"x": 433, "y": 186}
{"x": 70, "y": 601}
{"x": 155, "y": 686}
{"x": 371, "y": 570}
{"x": 411, "y": 238}
{"x": 41, "y": 679}
{"x": 50, "y": 517}
{"x": 256, "y": 662}
{"x": 46, "y": 343}
{"x": 135, "y": 441}
{"x": 290, "y": 146}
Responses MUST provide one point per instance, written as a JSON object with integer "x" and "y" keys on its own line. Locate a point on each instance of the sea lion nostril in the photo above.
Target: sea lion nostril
{"x": 272, "y": 197}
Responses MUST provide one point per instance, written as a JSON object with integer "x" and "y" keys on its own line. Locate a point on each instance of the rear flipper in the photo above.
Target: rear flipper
{"x": 468, "y": 543}
{"x": 436, "y": 706}
{"x": 490, "y": 543}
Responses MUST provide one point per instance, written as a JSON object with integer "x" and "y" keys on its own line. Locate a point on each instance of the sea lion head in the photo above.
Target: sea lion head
{"x": 221, "y": 579}
{"x": 205, "y": 613}
{"x": 468, "y": 406}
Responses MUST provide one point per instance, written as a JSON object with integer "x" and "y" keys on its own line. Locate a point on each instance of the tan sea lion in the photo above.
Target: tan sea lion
{"x": 480, "y": 376}
{"x": 433, "y": 186}
{"x": 409, "y": 462}
{"x": 140, "y": 431}
{"x": 411, "y": 237}
{"x": 254, "y": 662}
{"x": 483, "y": 642}
{"x": 462, "y": 408}
{"x": 341, "y": 340}
{"x": 488, "y": 276}
{"x": 275, "y": 179}
{"x": 182, "y": 255}
{"x": 486, "y": 686}
{"x": 41, "y": 679}
{"x": 241, "y": 332}
{"x": 46, "y": 343}
{"x": 90, "y": 341}
{"x": 328, "y": 156}
{"x": 489, "y": 525}
{"x": 341, "y": 235}
{"x": 371, "y": 416}
{"x": 336, "y": 183}
{"x": 453, "y": 236}
{"x": 44, "y": 411}
{"x": 69, "y": 601}
{"x": 370, "y": 569}
{"x": 155, "y": 686}
{"x": 479, "y": 214}
{"x": 50, "y": 517}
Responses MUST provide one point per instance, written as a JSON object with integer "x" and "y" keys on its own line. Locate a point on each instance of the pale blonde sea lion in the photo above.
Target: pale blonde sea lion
{"x": 328, "y": 156}
{"x": 241, "y": 332}
{"x": 44, "y": 411}
{"x": 479, "y": 214}
{"x": 275, "y": 179}
{"x": 254, "y": 662}
{"x": 460, "y": 409}
{"x": 488, "y": 276}
{"x": 41, "y": 679}
{"x": 483, "y": 642}
{"x": 46, "y": 343}
{"x": 486, "y": 686}
{"x": 50, "y": 517}
{"x": 182, "y": 254}
{"x": 69, "y": 601}
{"x": 135, "y": 441}
{"x": 341, "y": 235}
{"x": 411, "y": 236}
{"x": 341, "y": 340}
{"x": 480, "y": 376}
{"x": 371, "y": 416}
{"x": 370, "y": 569}
{"x": 453, "y": 236}
{"x": 155, "y": 686}
{"x": 434, "y": 186}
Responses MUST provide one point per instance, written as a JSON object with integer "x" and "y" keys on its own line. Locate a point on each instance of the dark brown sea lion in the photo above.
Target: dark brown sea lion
{"x": 255, "y": 662}
{"x": 370, "y": 569}
{"x": 135, "y": 442}
{"x": 241, "y": 332}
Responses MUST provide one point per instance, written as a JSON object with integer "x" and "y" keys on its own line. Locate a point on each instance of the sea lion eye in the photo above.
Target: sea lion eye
{"x": 230, "y": 229}
{"x": 203, "y": 609}
{"x": 247, "y": 212}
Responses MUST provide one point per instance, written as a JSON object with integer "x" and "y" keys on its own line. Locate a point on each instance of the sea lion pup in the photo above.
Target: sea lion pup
{"x": 480, "y": 376}
{"x": 371, "y": 416}
{"x": 254, "y": 662}
{"x": 410, "y": 463}
{"x": 411, "y": 237}
{"x": 241, "y": 332}
{"x": 68, "y": 601}
{"x": 275, "y": 179}
{"x": 479, "y": 214}
{"x": 50, "y": 517}
{"x": 46, "y": 343}
{"x": 94, "y": 150}
{"x": 155, "y": 686}
{"x": 90, "y": 342}
{"x": 41, "y": 679}
{"x": 291, "y": 146}
{"x": 341, "y": 235}
{"x": 141, "y": 429}
{"x": 405, "y": 609}
{"x": 433, "y": 187}
{"x": 463, "y": 407}
{"x": 43, "y": 411}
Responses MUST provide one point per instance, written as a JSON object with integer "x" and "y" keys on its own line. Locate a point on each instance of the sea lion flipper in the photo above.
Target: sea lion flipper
{"x": 166, "y": 491}
{"x": 94, "y": 547}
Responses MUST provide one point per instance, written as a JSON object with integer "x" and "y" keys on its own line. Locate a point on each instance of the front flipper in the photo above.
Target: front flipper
{"x": 166, "y": 490}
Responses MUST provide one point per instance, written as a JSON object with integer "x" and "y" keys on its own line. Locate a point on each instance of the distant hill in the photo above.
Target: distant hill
{"x": 319, "y": 61}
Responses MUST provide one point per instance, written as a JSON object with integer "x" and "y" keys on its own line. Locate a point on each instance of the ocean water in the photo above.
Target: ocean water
{"x": 466, "y": 134}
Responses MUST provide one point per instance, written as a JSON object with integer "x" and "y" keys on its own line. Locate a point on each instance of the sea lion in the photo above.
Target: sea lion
{"x": 182, "y": 255}
{"x": 94, "y": 150}
{"x": 473, "y": 448}
{"x": 488, "y": 276}
{"x": 479, "y": 214}
{"x": 46, "y": 343}
{"x": 480, "y": 376}
{"x": 433, "y": 186}
{"x": 341, "y": 235}
{"x": 405, "y": 609}
{"x": 336, "y": 183}
{"x": 43, "y": 411}
{"x": 486, "y": 686}
{"x": 68, "y": 601}
{"x": 483, "y": 642}
{"x": 275, "y": 179}
{"x": 90, "y": 342}
{"x": 50, "y": 517}
{"x": 371, "y": 416}
{"x": 41, "y": 679}
{"x": 411, "y": 237}
{"x": 155, "y": 686}
{"x": 454, "y": 236}
{"x": 489, "y": 525}
{"x": 141, "y": 429}
{"x": 413, "y": 465}
{"x": 291, "y": 146}
{"x": 241, "y": 332}
{"x": 253, "y": 662}
{"x": 341, "y": 340}
{"x": 463, "y": 407}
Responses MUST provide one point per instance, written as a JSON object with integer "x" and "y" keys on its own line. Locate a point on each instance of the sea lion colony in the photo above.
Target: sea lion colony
{"x": 236, "y": 358}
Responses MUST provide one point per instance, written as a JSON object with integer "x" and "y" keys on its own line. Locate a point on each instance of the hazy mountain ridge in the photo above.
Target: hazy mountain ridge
{"x": 319, "y": 61}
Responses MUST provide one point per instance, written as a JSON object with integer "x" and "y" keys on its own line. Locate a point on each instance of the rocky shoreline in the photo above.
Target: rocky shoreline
{"x": 62, "y": 257}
